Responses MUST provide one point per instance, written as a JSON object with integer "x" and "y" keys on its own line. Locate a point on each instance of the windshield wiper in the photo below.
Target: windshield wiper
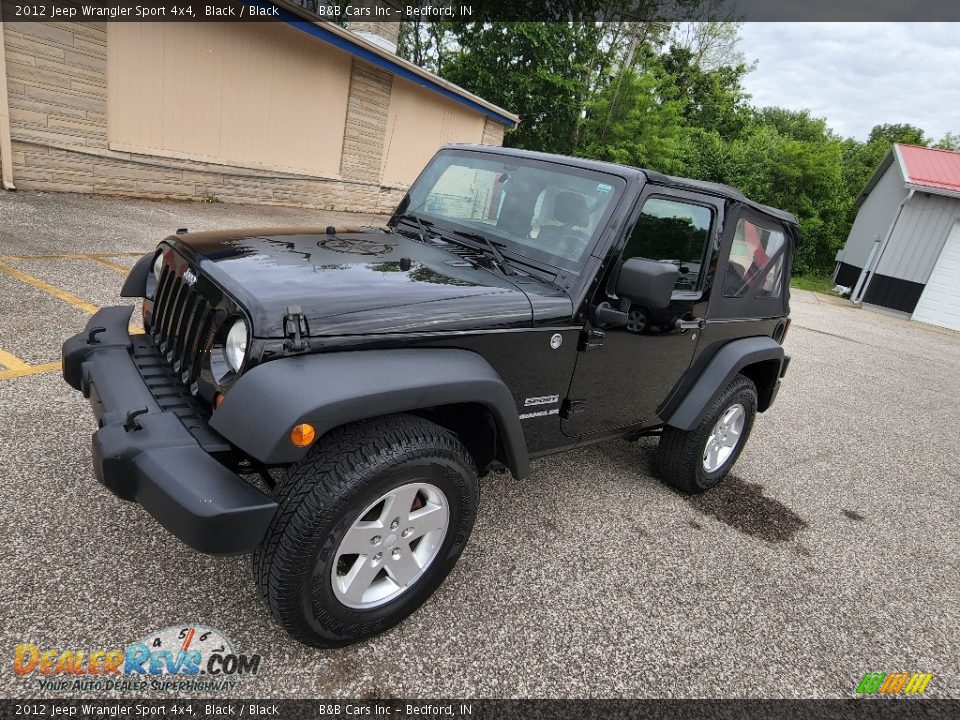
{"x": 501, "y": 261}
{"x": 420, "y": 225}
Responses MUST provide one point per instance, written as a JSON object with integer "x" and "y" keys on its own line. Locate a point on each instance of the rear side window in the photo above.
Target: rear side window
{"x": 755, "y": 251}
{"x": 672, "y": 231}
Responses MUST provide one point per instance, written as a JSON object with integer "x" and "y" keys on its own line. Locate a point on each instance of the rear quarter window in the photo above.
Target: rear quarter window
{"x": 756, "y": 261}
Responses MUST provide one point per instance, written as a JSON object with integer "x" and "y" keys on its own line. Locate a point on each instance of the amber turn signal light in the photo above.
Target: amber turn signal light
{"x": 218, "y": 400}
{"x": 302, "y": 434}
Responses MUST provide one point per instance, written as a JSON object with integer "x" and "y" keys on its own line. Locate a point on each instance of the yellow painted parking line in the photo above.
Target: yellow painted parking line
{"x": 12, "y": 362}
{"x": 101, "y": 258}
{"x": 29, "y": 370}
{"x": 14, "y": 366}
{"x": 58, "y": 293}
{"x": 112, "y": 265}
{"x": 72, "y": 256}
{"x": 17, "y": 368}
{"x": 49, "y": 289}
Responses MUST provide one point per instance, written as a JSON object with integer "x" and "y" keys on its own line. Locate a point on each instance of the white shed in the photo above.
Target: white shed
{"x": 903, "y": 251}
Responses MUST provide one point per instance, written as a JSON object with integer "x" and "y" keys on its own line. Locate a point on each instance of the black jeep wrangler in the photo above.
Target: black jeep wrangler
{"x": 328, "y": 397}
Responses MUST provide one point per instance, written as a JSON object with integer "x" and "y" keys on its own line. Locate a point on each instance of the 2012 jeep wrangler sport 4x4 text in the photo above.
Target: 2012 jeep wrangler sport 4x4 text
{"x": 516, "y": 304}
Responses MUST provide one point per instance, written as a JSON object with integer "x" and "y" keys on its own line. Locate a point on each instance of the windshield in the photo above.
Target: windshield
{"x": 539, "y": 210}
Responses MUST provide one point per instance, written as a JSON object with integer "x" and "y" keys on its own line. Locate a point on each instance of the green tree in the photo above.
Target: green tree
{"x": 862, "y": 159}
{"x": 950, "y": 141}
{"x": 711, "y": 45}
{"x": 547, "y": 73}
{"x": 712, "y": 99}
{"x": 631, "y": 122}
{"x": 897, "y": 133}
{"x": 427, "y": 43}
{"x": 796, "y": 124}
{"x": 533, "y": 69}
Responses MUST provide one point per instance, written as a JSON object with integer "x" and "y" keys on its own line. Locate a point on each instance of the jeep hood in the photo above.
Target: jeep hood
{"x": 361, "y": 281}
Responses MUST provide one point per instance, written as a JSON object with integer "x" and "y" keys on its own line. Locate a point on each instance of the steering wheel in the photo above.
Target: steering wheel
{"x": 570, "y": 244}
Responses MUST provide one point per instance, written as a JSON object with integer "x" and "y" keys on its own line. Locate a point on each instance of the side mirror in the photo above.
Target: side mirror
{"x": 647, "y": 283}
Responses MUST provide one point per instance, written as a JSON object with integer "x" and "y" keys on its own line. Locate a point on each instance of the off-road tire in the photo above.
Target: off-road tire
{"x": 323, "y": 495}
{"x": 680, "y": 453}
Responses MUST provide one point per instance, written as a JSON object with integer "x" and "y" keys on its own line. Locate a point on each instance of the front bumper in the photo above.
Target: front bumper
{"x": 151, "y": 457}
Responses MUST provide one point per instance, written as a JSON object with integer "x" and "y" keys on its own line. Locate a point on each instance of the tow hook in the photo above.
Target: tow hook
{"x": 92, "y": 336}
{"x": 131, "y": 422}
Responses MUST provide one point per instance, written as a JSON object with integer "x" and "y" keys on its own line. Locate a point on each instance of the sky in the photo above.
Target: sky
{"x": 857, "y": 75}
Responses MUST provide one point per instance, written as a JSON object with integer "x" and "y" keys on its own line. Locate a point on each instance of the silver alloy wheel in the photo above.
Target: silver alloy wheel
{"x": 390, "y": 545}
{"x": 724, "y": 437}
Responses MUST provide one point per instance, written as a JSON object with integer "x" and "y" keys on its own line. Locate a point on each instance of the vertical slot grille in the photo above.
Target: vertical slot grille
{"x": 182, "y": 319}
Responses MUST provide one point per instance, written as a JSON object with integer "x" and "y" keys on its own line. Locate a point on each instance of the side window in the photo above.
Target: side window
{"x": 754, "y": 249}
{"x": 672, "y": 231}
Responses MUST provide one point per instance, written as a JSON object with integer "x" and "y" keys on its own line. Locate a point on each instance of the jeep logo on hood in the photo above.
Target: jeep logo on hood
{"x": 355, "y": 246}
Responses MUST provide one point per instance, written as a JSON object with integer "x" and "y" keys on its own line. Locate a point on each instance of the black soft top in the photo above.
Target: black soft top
{"x": 712, "y": 188}
{"x": 625, "y": 171}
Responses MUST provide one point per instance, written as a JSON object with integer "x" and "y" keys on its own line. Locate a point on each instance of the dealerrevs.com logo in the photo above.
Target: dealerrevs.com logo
{"x": 188, "y": 658}
{"x": 894, "y": 683}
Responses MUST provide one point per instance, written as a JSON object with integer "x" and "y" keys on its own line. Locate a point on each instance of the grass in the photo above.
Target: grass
{"x": 816, "y": 283}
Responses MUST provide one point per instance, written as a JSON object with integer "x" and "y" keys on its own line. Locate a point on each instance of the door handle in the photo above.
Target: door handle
{"x": 694, "y": 324}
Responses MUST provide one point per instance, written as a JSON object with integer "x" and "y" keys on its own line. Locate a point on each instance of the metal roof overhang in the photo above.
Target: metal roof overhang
{"x": 932, "y": 189}
{"x": 909, "y": 183}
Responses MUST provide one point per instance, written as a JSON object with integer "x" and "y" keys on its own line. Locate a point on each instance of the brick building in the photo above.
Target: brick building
{"x": 290, "y": 112}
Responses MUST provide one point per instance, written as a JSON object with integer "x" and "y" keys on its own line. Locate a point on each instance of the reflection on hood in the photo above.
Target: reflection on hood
{"x": 356, "y": 282}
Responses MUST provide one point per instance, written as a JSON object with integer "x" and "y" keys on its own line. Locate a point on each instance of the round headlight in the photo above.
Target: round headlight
{"x": 235, "y": 347}
{"x": 153, "y": 280}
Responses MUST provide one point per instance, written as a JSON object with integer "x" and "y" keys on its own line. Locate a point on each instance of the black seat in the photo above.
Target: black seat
{"x": 565, "y": 239}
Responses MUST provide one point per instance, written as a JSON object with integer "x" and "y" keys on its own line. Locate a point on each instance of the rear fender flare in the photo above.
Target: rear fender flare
{"x": 729, "y": 360}
{"x": 332, "y": 389}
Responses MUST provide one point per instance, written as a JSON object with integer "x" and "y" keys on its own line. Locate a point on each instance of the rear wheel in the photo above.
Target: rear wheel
{"x": 370, "y": 523}
{"x": 697, "y": 460}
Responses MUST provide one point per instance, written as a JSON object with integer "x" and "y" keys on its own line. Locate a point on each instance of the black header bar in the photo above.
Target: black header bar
{"x": 339, "y": 709}
{"x": 343, "y": 11}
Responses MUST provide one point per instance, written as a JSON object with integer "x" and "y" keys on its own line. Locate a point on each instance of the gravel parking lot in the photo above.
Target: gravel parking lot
{"x": 831, "y": 551}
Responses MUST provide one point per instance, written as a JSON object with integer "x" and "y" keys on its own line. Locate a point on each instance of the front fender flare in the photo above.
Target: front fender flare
{"x": 331, "y": 389}
{"x": 135, "y": 285}
{"x": 729, "y": 360}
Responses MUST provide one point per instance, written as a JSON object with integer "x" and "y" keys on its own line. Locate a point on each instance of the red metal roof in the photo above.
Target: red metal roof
{"x": 930, "y": 167}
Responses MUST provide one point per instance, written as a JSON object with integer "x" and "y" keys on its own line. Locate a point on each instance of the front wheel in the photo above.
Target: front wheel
{"x": 696, "y": 460}
{"x": 370, "y": 523}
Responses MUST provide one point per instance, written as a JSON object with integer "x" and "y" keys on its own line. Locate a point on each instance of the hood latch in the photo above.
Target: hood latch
{"x": 295, "y": 328}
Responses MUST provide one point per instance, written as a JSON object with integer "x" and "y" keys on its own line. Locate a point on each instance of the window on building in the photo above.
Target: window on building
{"x": 755, "y": 250}
{"x": 672, "y": 231}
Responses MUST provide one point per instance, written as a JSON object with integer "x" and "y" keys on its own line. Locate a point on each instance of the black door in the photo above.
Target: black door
{"x": 624, "y": 373}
